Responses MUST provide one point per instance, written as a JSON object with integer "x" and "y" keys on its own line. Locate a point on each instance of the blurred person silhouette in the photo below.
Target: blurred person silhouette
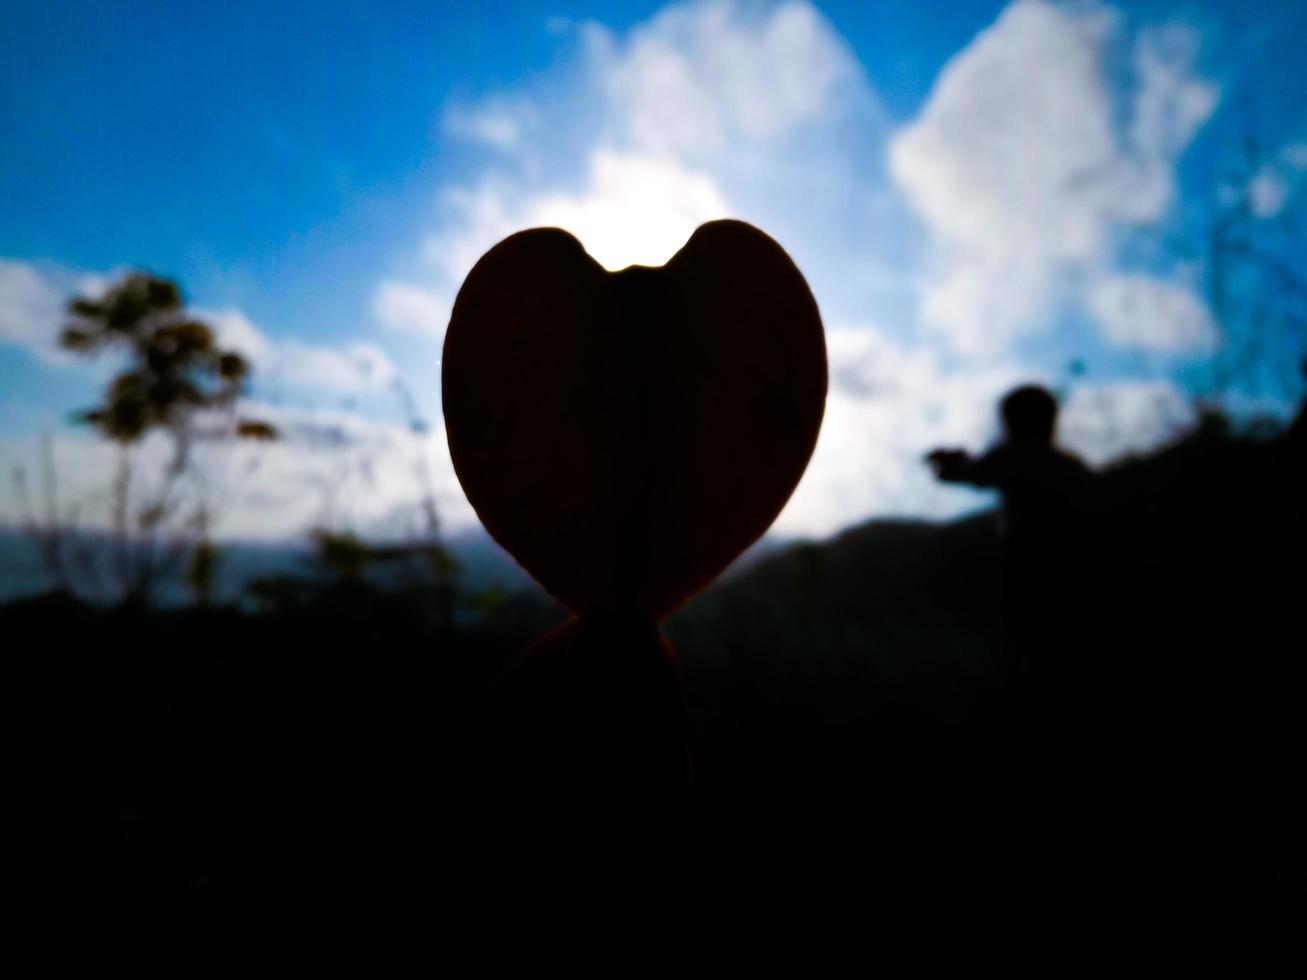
{"x": 1051, "y": 580}
{"x": 1045, "y": 489}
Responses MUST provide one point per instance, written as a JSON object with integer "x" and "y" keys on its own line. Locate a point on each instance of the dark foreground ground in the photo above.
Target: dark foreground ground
{"x": 855, "y": 709}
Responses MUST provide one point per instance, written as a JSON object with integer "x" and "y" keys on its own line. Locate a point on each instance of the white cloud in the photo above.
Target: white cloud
{"x": 405, "y": 308}
{"x": 342, "y": 470}
{"x": 234, "y": 331}
{"x": 886, "y": 408}
{"x": 1019, "y": 170}
{"x": 701, "y": 76}
{"x": 1108, "y": 421}
{"x": 32, "y": 302}
{"x": 1170, "y": 106}
{"x": 325, "y": 468}
{"x": 1271, "y": 187}
{"x": 1267, "y": 193}
{"x": 708, "y": 110}
{"x": 31, "y": 310}
{"x": 497, "y": 123}
{"x": 353, "y": 367}
{"x": 1140, "y": 311}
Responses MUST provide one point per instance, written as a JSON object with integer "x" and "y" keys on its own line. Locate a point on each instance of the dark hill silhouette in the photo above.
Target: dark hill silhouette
{"x": 202, "y": 744}
{"x": 1204, "y": 575}
{"x": 830, "y": 659}
{"x": 482, "y": 565}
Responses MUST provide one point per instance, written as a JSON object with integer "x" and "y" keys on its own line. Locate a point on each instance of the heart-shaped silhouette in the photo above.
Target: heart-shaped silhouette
{"x": 625, "y": 435}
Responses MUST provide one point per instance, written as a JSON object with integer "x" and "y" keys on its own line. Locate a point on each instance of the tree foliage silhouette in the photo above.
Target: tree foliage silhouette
{"x": 178, "y": 381}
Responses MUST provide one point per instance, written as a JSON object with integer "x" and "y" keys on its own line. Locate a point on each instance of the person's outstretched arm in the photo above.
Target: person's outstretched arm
{"x": 959, "y": 466}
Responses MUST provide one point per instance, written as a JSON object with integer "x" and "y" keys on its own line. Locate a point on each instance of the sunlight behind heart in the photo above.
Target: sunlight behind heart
{"x": 640, "y": 211}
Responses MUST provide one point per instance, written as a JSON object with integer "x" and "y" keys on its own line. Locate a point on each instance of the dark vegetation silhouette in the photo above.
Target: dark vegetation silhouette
{"x": 177, "y": 381}
{"x": 319, "y": 738}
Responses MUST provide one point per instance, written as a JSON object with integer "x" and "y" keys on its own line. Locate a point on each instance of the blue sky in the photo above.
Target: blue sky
{"x": 979, "y": 193}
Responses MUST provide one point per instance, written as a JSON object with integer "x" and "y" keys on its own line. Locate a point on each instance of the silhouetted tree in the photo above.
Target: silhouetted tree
{"x": 178, "y": 382}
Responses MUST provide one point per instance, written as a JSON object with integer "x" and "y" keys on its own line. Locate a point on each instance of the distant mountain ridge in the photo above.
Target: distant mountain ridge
{"x": 481, "y": 564}
{"x": 23, "y": 573}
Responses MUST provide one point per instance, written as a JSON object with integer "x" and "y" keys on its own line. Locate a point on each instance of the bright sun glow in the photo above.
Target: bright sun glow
{"x": 639, "y": 210}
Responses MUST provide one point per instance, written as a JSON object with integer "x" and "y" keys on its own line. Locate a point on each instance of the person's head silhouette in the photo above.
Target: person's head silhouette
{"x": 1029, "y": 415}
